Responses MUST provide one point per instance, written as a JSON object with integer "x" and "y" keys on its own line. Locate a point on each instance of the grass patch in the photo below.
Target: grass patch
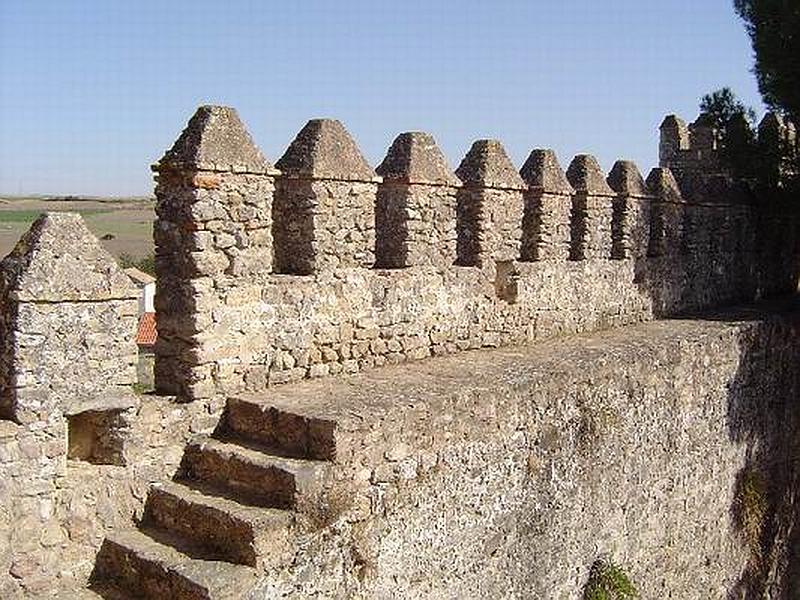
{"x": 608, "y": 581}
{"x": 147, "y": 264}
{"x": 29, "y": 216}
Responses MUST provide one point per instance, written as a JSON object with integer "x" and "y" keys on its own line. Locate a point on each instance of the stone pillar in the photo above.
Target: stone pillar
{"x": 415, "y": 216}
{"x": 548, "y": 204}
{"x": 324, "y": 203}
{"x": 213, "y": 245}
{"x": 490, "y": 206}
{"x": 67, "y": 326}
{"x": 666, "y": 231}
{"x": 592, "y": 209}
{"x": 674, "y": 139}
{"x": 630, "y": 226}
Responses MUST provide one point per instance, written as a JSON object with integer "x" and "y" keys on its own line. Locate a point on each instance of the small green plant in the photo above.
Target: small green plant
{"x": 608, "y": 581}
{"x": 146, "y": 264}
{"x": 751, "y": 509}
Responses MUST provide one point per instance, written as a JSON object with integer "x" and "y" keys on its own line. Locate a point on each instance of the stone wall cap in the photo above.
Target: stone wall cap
{"x": 543, "y": 172}
{"x": 325, "y": 150}
{"x": 215, "y": 139}
{"x": 414, "y": 157}
{"x": 585, "y": 175}
{"x": 138, "y": 276}
{"x": 487, "y": 165}
{"x": 661, "y": 183}
{"x": 59, "y": 260}
{"x": 626, "y": 179}
{"x": 109, "y": 400}
{"x": 672, "y": 122}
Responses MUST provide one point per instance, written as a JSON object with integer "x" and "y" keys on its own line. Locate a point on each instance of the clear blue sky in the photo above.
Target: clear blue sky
{"x": 92, "y": 92}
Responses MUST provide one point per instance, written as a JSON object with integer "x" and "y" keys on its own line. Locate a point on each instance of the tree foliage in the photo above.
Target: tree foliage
{"x": 774, "y": 29}
{"x": 734, "y": 122}
{"x": 722, "y": 105}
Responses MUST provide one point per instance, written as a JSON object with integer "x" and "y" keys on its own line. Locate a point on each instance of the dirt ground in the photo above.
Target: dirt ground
{"x": 124, "y": 225}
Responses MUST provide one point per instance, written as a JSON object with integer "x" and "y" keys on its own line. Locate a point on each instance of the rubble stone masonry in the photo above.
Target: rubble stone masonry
{"x": 500, "y": 473}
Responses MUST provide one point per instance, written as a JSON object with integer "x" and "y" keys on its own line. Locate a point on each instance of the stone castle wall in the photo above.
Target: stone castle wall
{"x": 507, "y": 473}
{"x": 484, "y": 257}
{"x": 67, "y": 365}
{"x": 267, "y": 276}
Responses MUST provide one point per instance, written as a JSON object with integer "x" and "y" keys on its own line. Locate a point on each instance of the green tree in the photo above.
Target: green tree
{"x": 774, "y": 29}
{"x": 734, "y": 122}
{"x": 722, "y": 105}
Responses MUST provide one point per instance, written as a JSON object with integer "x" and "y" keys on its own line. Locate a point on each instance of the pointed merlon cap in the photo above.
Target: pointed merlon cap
{"x": 414, "y": 157}
{"x": 673, "y": 122}
{"x": 324, "y": 150}
{"x": 661, "y": 183}
{"x": 585, "y": 175}
{"x": 626, "y": 179}
{"x": 60, "y": 260}
{"x": 487, "y": 165}
{"x": 216, "y": 140}
{"x": 543, "y": 172}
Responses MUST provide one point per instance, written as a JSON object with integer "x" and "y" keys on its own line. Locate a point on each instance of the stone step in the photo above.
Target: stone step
{"x": 133, "y": 561}
{"x": 279, "y": 431}
{"x": 250, "y": 476}
{"x": 224, "y": 528}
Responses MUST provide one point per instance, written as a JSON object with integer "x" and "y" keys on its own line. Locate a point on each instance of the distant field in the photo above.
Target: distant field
{"x": 127, "y": 223}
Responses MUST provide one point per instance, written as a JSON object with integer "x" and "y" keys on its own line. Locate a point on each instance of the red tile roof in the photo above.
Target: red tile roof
{"x": 146, "y": 334}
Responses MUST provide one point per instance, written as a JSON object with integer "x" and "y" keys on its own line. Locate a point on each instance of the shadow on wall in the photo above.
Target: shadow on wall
{"x": 764, "y": 418}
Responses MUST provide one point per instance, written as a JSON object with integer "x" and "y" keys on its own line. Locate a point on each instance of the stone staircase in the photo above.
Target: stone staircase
{"x": 235, "y": 507}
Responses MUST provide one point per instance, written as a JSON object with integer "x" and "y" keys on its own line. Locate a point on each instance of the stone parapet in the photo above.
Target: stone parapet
{"x": 344, "y": 297}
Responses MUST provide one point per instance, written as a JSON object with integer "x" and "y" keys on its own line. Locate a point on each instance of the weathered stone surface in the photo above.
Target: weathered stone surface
{"x": 626, "y": 179}
{"x": 324, "y": 207}
{"x": 414, "y": 157}
{"x": 487, "y": 165}
{"x": 324, "y": 150}
{"x": 585, "y": 175}
{"x": 490, "y": 206}
{"x": 68, "y": 322}
{"x": 215, "y": 140}
{"x": 59, "y": 260}
{"x": 415, "y": 214}
{"x": 508, "y": 453}
{"x": 592, "y": 210}
{"x": 666, "y": 230}
{"x": 630, "y": 225}
{"x": 548, "y": 202}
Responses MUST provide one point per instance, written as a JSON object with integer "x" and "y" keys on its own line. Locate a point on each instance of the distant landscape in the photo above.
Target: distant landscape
{"x": 123, "y": 225}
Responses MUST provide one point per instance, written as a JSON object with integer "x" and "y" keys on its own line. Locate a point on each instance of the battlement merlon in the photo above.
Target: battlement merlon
{"x": 415, "y": 214}
{"x": 592, "y": 209}
{"x": 490, "y": 206}
{"x": 324, "y": 202}
{"x": 548, "y": 203}
{"x": 630, "y": 226}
